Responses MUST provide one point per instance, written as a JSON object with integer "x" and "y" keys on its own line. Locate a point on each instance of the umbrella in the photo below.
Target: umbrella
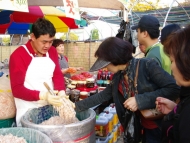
{"x": 15, "y": 22}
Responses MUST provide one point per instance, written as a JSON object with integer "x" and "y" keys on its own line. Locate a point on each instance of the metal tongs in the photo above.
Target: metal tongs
{"x": 49, "y": 89}
{"x": 52, "y": 93}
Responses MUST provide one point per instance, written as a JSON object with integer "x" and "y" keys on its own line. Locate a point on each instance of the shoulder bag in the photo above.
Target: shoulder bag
{"x": 151, "y": 114}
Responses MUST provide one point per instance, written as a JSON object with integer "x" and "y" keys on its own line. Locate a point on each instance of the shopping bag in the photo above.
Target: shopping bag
{"x": 132, "y": 127}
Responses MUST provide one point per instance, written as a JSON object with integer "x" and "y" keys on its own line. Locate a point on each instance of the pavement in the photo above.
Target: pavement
{"x": 120, "y": 140}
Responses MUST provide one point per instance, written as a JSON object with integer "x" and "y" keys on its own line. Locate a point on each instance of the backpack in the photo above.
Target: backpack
{"x": 170, "y": 123}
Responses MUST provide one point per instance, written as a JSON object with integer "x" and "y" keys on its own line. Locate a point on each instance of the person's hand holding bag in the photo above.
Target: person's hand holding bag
{"x": 131, "y": 104}
{"x": 51, "y": 99}
{"x": 164, "y": 105}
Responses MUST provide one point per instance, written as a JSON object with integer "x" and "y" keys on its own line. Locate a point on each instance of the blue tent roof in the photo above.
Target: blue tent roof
{"x": 18, "y": 28}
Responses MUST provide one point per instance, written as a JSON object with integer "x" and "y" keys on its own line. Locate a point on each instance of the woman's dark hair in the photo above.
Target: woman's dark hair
{"x": 115, "y": 50}
{"x": 42, "y": 27}
{"x": 57, "y": 42}
{"x": 178, "y": 45}
{"x": 167, "y": 30}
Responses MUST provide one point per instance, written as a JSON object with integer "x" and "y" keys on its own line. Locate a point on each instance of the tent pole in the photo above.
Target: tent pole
{"x": 11, "y": 40}
{"x": 21, "y": 39}
{"x": 168, "y": 12}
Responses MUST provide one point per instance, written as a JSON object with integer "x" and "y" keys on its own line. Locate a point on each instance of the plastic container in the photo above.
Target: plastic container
{"x": 82, "y": 131}
{"x": 30, "y": 135}
{"x": 115, "y": 134}
{"x": 84, "y": 94}
{"x": 74, "y": 83}
{"x": 112, "y": 110}
{"x": 92, "y": 92}
{"x": 5, "y": 123}
{"x": 101, "y": 89}
{"x": 102, "y": 127}
{"x": 81, "y": 84}
{"x": 102, "y": 140}
{"x": 100, "y": 83}
{"x": 90, "y": 82}
{"x": 106, "y": 83}
{"x": 109, "y": 116}
{"x": 71, "y": 87}
{"x": 120, "y": 130}
{"x": 74, "y": 95}
{"x": 110, "y": 138}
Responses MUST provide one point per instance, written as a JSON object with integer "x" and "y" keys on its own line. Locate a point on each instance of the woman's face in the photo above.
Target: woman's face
{"x": 60, "y": 49}
{"x": 177, "y": 75}
{"x": 112, "y": 68}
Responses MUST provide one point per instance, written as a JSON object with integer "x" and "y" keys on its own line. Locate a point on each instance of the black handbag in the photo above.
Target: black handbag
{"x": 133, "y": 128}
{"x": 132, "y": 122}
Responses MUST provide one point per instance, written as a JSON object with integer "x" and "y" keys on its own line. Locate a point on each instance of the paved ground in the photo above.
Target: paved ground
{"x": 120, "y": 140}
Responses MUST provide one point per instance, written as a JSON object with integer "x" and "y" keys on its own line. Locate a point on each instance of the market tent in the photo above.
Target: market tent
{"x": 178, "y": 15}
{"x": 20, "y": 22}
{"x": 106, "y": 4}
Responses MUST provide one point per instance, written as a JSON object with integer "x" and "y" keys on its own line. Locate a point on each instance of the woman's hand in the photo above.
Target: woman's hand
{"x": 131, "y": 104}
{"x": 164, "y": 105}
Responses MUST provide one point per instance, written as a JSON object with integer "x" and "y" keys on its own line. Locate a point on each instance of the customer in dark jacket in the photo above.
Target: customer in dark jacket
{"x": 167, "y": 30}
{"x": 116, "y": 55}
{"x": 176, "y": 127}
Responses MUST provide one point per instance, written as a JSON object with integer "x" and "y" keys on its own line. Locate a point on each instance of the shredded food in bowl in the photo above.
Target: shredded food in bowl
{"x": 67, "y": 114}
{"x": 11, "y": 139}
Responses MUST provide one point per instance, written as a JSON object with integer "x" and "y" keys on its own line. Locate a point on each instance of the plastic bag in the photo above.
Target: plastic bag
{"x": 30, "y": 135}
{"x": 76, "y": 132}
{"x": 7, "y": 103}
{"x": 132, "y": 127}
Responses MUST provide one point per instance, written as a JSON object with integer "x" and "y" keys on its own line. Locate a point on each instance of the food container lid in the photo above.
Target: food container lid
{"x": 93, "y": 91}
{"x": 73, "y": 82}
{"x": 100, "y": 81}
{"x": 84, "y": 93}
{"x": 90, "y": 80}
{"x": 81, "y": 82}
{"x": 75, "y": 91}
{"x": 71, "y": 86}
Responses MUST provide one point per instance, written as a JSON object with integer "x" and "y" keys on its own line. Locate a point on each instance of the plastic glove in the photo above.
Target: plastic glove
{"x": 51, "y": 99}
{"x": 66, "y": 98}
{"x": 61, "y": 93}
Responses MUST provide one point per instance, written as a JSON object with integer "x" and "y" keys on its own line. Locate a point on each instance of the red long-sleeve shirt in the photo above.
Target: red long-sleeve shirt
{"x": 18, "y": 65}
